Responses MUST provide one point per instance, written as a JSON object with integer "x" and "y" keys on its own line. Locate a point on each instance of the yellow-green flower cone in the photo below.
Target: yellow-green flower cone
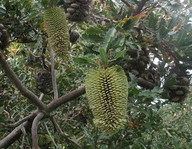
{"x": 57, "y": 30}
{"x": 107, "y": 92}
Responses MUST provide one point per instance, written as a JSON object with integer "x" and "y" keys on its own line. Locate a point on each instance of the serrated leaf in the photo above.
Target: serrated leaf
{"x": 171, "y": 82}
{"x": 153, "y": 21}
{"x": 110, "y": 35}
{"x": 103, "y": 56}
{"x": 84, "y": 60}
{"x": 119, "y": 54}
{"x": 92, "y": 38}
{"x": 128, "y": 23}
{"x": 163, "y": 30}
{"x": 94, "y": 30}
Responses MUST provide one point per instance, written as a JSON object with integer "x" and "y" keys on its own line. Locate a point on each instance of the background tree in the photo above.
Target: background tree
{"x": 150, "y": 39}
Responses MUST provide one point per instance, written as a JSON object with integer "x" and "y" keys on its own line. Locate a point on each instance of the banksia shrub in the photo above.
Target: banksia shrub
{"x": 44, "y": 81}
{"x": 57, "y": 30}
{"x": 107, "y": 92}
{"x": 78, "y": 10}
{"x": 4, "y": 38}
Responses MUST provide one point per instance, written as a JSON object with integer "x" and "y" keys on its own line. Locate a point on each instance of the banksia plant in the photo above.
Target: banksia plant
{"x": 57, "y": 30}
{"x": 107, "y": 92}
{"x": 4, "y": 38}
{"x": 78, "y": 10}
{"x": 44, "y": 81}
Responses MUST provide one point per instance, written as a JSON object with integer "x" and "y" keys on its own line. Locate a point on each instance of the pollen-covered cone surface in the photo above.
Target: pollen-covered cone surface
{"x": 107, "y": 92}
{"x": 57, "y": 30}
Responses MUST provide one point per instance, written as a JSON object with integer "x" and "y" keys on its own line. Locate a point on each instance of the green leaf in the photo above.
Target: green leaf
{"x": 94, "y": 30}
{"x": 103, "y": 56}
{"x": 92, "y": 38}
{"x": 129, "y": 23}
{"x": 84, "y": 60}
{"x": 94, "y": 34}
{"x": 171, "y": 82}
{"x": 2, "y": 10}
{"x": 1, "y": 110}
{"x": 163, "y": 30}
{"x": 119, "y": 54}
{"x": 153, "y": 21}
{"x": 110, "y": 35}
{"x": 89, "y": 137}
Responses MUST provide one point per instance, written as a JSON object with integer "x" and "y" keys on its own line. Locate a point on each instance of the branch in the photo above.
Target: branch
{"x": 54, "y": 82}
{"x": 32, "y": 115}
{"x": 49, "y": 133}
{"x": 34, "y": 130}
{"x": 126, "y": 3}
{"x": 14, "y": 135}
{"x": 56, "y": 125}
{"x": 65, "y": 98}
{"x": 140, "y": 7}
{"x": 13, "y": 77}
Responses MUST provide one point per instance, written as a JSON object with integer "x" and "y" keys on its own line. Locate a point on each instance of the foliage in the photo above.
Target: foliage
{"x": 114, "y": 30}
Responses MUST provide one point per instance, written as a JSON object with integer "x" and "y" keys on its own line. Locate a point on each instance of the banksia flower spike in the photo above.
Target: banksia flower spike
{"x": 57, "y": 30}
{"x": 107, "y": 92}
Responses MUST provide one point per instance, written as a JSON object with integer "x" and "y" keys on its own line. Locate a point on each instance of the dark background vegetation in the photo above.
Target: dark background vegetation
{"x": 151, "y": 40}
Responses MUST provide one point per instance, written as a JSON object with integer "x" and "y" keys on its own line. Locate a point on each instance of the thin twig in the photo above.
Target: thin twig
{"x": 34, "y": 130}
{"x": 54, "y": 81}
{"x": 50, "y": 135}
{"x": 13, "y": 77}
{"x": 23, "y": 137}
{"x": 27, "y": 117}
{"x": 22, "y": 120}
{"x": 56, "y": 125}
{"x": 13, "y": 136}
{"x": 41, "y": 96}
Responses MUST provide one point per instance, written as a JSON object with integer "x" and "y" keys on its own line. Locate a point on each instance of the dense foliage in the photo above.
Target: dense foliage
{"x": 150, "y": 39}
